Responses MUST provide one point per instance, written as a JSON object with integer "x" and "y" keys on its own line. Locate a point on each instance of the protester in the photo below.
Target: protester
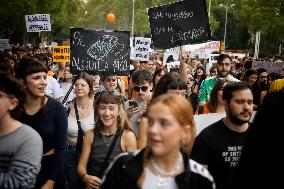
{"x": 199, "y": 76}
{"x": 191, "y": 95}
{"x": 277, "y": 85}
{"x": 157, "y": 75}
{"x": 111, "y": 136}
{"x": 218, "y": 147}
{"x": 260, "y": 161}
{"x": 224, "y": 67}
{"x": 250, "y": 76}
{"x": 80, "y": 120}
{"x": 67, "y": 87}
{"x": 216, "y": 102}
{"x": 213, "y": 71}
{"x": 48, "y": 117}
{"x": 169, "y": 83}
{"x": 20, "y": 145}
{"x": 142, "y": 85}
{"x": 162, "y": 164}
{"x": 259, "y": 89}
{"x": 109, "y": 83}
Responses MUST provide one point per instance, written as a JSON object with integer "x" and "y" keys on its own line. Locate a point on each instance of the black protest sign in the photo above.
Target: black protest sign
{"x": 100, "y": 52}
{"x": 180, "y": 23}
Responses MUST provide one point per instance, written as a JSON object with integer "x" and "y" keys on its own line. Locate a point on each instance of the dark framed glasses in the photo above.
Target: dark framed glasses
{"x": 137, "y": 88}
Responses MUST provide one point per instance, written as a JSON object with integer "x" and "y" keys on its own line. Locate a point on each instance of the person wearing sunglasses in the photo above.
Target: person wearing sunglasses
{"x": 142, "y": 85}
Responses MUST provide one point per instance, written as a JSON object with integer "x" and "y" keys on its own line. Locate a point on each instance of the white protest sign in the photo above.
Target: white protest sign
{"x": 269, "y": 66}
{"x": 38, "y": 22}
{"x": 212, "y": 60}
{"x": 141, "y": 49}
{"x": 171, "y": 59}
{"x": 4, "y": 44}
{"x": 202, "y": 50}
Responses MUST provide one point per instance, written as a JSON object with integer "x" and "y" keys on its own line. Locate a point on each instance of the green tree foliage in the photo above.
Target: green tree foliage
{"x": 244, "y": 19}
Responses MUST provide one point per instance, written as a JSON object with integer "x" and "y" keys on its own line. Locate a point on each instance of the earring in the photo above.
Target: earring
{"x": 118, "y": 119}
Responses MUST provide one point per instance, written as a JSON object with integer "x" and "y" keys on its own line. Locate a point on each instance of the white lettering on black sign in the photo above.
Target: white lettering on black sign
{"x": 179, "y": 24}
{"x": 99, "y": 51}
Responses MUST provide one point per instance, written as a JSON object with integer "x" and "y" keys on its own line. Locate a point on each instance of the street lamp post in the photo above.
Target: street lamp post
{"x": 225, "y": 29}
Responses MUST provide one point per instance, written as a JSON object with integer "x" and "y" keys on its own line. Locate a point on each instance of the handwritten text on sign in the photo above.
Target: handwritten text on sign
{"x": 38, "y": 22}
{"x": 269, "y": 66}
{"x": 61, "y": 53}
{"x": 99, "y": 51}
{"x": 4, "y": 44}
{"x": 141, "y": 48}
{"x": 179, "y": 24}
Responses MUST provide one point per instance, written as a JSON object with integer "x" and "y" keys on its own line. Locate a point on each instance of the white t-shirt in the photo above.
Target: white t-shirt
{"x": 52, "y": 88}
{"x": 86, "y": 124}
{"x": 155, "y": 182}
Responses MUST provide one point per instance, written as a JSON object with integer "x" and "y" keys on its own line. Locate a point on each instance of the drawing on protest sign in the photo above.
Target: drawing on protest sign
{"x": 141, "y": 48}
{"x": 4, "y": 44}
{"x": 61, "y": 53}
{"x": 179, "y": 23}
{"x": 38, "y": 22}
{"x": 269, "y": 66}
{"x": 99, "y": 52}
{"x": 171, "y": 59}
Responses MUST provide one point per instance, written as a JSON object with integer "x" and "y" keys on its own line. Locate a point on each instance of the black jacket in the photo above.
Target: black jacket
{"x": 127, "y": 168}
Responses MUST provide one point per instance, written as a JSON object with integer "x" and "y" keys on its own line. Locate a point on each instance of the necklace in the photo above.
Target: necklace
{"x": 162, "y": 181}
{"x": 108, "y": 140}
{"x": 82, "y": 107}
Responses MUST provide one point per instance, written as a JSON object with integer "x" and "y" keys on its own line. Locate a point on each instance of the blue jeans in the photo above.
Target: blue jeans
{"x": 71, "y": 161}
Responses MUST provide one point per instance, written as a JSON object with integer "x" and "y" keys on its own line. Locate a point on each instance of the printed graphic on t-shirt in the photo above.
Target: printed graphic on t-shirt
{"x": 232, "y": 155}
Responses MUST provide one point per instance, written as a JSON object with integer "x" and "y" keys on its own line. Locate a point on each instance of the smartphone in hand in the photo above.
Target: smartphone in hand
{"x": 133, "y": 103}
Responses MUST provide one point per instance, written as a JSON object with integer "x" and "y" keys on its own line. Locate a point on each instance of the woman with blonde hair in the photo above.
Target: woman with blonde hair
{"x": 164, "y": 163}
{"x": 111, "y": 136}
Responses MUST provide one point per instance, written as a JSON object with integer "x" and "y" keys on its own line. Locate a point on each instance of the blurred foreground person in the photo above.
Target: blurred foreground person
{"x": 260, "y": 161}
{"x": 20, "y": 145}
{"x": 163, "y": 163}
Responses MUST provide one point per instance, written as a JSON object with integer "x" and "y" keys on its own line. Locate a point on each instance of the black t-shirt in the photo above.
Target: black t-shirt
{"x": 220, "y": 148}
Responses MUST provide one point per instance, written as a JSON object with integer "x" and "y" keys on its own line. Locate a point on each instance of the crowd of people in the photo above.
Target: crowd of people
{"x": 59, "y": 130}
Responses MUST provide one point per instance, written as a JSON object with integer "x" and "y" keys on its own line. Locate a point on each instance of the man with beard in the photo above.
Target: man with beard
{"x": 224, "y": 67}
{"x": 218, "y": 147}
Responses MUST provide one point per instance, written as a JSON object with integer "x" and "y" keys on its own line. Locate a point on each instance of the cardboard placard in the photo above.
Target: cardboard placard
{"x": 38, "y": 22}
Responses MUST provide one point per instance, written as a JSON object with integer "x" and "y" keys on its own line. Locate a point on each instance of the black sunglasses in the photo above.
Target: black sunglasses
{"x": 143, "y": 88}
